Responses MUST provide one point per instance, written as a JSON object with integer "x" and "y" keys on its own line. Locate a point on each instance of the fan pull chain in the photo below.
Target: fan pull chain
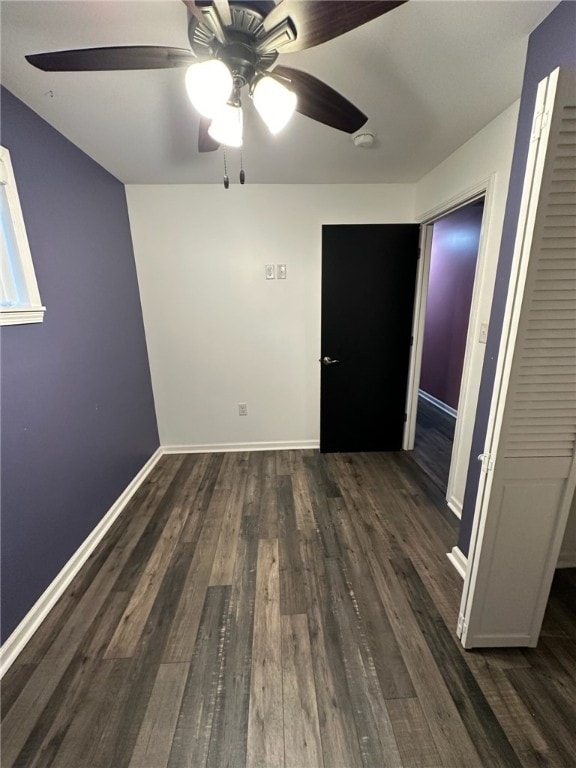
{"x": 226, "y": 179}
{"x": 242, "y": 174}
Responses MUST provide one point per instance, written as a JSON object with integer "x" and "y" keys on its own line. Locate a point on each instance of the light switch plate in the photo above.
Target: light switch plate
{"x": 281, "y": 271}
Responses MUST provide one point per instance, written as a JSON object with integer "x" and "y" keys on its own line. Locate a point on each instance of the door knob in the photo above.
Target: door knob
{"x": 328, "y": 361}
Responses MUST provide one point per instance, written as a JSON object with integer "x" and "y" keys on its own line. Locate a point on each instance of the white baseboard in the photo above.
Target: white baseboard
{"x": 36, "y": 615}
{"x": 27, "y": 627}
{"x": 286, "y": 445}
{"x": 502, "y": 641}
{"x": 456, "y": 506}
{"x": 458, "y": 560}
{"x": 438, "y": 403}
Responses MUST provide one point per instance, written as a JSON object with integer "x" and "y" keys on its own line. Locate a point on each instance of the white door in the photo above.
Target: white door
{"x": 529, "y": 467}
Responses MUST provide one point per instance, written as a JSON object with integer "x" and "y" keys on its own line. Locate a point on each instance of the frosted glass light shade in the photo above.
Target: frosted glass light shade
{"x": 274, "y": 102}
{"x": 209, "y": 85}
{"x": 226, "y": 126}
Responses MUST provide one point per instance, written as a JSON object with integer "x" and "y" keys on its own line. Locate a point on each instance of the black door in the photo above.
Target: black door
{"x": 368, "y": 287}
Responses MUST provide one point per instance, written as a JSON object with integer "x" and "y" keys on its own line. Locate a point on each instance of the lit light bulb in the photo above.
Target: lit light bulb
{"x": 209, "y": 85}
{"x": 226, "y": 126}
{"x": 274, "y": 102}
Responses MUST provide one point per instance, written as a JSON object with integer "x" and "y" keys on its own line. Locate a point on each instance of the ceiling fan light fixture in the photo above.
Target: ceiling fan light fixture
{"x": 209, "y": 85}
{"x": 227, "y": 124}
{"x": 274, "y": 102}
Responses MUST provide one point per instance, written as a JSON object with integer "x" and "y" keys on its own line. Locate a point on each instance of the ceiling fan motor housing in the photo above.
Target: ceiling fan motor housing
{"x": 236, "y": 45}
{"x": 240, "y": 59}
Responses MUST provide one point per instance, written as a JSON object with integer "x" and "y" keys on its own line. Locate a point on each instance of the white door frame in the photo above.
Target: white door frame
{"x": 474, "y": 352}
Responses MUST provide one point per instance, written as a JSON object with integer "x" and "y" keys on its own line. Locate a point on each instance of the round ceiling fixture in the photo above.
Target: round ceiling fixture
{"x": 364, "y": 140}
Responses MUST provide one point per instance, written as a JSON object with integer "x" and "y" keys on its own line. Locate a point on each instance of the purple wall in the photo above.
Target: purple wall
{"x": 551, "y": 45}
{"x": 455, "y": 241}
{"x": 78, "y": 418}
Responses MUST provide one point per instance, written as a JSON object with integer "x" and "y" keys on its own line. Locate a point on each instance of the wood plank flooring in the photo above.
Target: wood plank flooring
{"x": 284, "y": 609}
{"x": 433, "y": 442}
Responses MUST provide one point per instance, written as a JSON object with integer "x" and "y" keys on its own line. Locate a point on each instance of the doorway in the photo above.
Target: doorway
{"x": 454, "y": 249}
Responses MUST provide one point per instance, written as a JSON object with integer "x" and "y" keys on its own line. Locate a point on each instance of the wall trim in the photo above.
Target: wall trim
{"x": 459, "y": 200}
{"x": 455, "y": 505}
{"x": 438, "y": 403}
{"x": 15, "y": 643}
{"x": 458, "y": 560}
{"x": 285, "y": 445}
{"x": 21, "y": 315}
{"x": 503, "y": 641}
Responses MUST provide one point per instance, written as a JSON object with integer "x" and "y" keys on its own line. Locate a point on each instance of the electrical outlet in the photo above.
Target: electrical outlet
{"x": 270, "y": 272}
{"x": 242, "y": 409}
{"x": 281, "y": 271}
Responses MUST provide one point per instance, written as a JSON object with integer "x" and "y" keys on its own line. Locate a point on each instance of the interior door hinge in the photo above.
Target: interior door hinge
{"x": 411, "y": 340}
{"x": 540, "y": 122}
{"x": 487, "y": 462}
{"x": 405, "y": 418}
{"x": 461, "y": 625}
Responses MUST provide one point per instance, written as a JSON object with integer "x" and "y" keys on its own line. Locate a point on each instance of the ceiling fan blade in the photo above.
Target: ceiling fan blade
{"x": 205, "y": 142}
{"x": 193, "y": 8}
{"x": 317, "y": 21}
{"x": 223, "y": 8}
{"x": 320, "y": 102}
{"x": 105, "y": 59}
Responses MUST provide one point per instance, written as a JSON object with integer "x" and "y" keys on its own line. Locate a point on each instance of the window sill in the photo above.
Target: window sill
{"x": 22, "y": 315}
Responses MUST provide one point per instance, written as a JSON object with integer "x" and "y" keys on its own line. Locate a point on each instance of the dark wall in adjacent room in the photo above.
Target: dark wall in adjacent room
{"x": 551, "y": 45}
{"x": 455, "y": 241}
{"x": 78, "y": 418}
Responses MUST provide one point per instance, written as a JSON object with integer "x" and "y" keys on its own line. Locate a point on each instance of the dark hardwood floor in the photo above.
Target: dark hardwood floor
{"x": 433, "y": 442}
{"x": 284, "y": 609}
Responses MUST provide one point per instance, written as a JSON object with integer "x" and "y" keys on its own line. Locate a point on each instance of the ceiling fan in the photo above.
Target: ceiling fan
{"x": 235, "y": 43}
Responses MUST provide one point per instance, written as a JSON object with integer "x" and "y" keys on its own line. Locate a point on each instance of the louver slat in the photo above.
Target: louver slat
{"x": 541, "y": 417}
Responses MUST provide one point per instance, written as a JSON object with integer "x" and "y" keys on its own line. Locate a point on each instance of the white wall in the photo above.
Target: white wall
{"x": 218, "y": 332}
{"x": 485, "y": 160}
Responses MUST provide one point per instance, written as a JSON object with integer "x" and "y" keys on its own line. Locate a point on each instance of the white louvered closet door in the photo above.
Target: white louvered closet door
{"x": 529, "y": 469}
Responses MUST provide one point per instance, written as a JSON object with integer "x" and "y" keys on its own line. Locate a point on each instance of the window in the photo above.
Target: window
{"x": 19, "y": 296}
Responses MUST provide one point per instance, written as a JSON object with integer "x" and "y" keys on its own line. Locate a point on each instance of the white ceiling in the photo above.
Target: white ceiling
{"x": 429, "y": 75}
